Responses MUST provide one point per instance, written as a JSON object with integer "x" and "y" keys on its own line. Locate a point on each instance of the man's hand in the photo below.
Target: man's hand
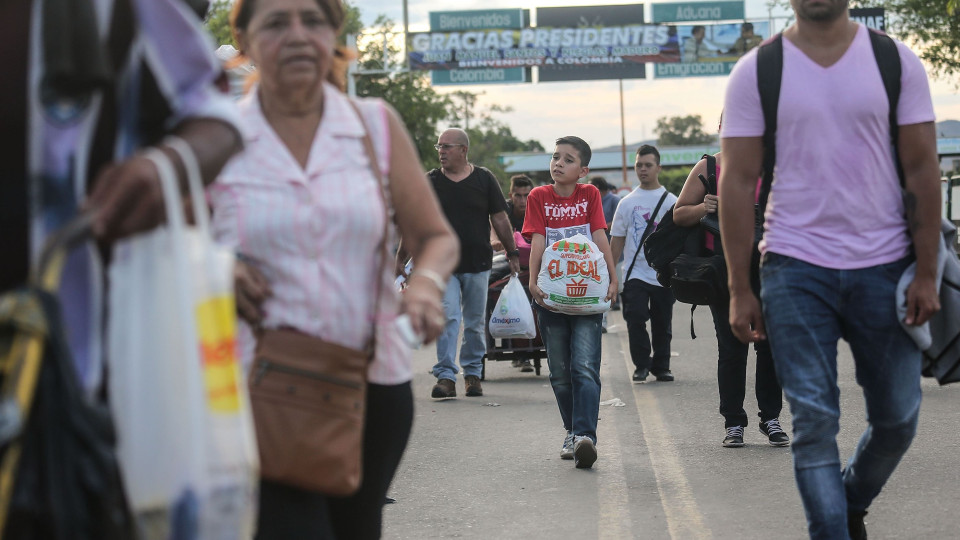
{"x": 746, "y": 318}
{"x": 922, "y": 301}
{"x": 251, "y": 289}
{"x": 127, "y": 198}
{"x": 497, "y": 245}
{"x": 514, "y": 261}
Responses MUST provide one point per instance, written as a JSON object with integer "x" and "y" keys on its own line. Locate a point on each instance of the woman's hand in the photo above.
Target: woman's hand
{"x": 251, "y": 289}
{"x": 710, "y": 203}
{"x": 422, "y": 302}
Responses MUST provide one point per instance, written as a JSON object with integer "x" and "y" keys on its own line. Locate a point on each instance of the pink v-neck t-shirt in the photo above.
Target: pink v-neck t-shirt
{"x": 835, "y": 200}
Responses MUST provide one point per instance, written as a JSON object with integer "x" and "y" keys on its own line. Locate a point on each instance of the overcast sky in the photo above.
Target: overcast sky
{"x": 591, "y": 109}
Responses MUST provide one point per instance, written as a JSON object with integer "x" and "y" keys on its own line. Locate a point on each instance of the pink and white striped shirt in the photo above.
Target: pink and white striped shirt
{"x": 314, "y": 231}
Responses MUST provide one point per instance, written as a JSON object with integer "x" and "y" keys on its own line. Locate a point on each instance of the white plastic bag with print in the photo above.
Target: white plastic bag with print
{"x": 574, "y": 275}
{"x": 512, "y": 317}
{"x": 186, "y": 442}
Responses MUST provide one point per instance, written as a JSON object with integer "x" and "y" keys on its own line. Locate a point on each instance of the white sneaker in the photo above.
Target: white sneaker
{"x": 567, "y": 451}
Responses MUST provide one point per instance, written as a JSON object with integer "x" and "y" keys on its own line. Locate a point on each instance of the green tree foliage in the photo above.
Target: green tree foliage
{"x": 673, "y": 178}
{"x": 418, "y": 104}
{"x": 932, "y": 28}
{"x": 681, "y": 131}
{"x": 489, "y": 137}
{"x": 218, "y": 22}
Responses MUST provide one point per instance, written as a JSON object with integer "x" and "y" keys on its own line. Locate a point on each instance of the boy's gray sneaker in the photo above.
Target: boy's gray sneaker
{"x": 584, "y": 452}
{"x": 567, "y": 451}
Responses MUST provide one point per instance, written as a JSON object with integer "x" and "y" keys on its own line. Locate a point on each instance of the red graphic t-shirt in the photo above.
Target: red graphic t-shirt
{"x": 557, "y": 217}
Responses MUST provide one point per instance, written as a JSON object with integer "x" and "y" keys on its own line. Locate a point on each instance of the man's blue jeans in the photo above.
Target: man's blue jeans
{"x": 466, "y": 300}
{"x": 573, "y": 354}
{"x": 807, "y": 309}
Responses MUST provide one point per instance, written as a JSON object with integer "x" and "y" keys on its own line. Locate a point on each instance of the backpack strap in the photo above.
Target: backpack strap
{"x": 646, "y": 232}
{"x": 710, "y": 182}
{"x": 888, "y": 60}
{"x": 769, "y": 77}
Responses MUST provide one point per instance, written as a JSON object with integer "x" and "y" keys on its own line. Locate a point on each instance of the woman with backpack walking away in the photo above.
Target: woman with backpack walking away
{"x": 693, "y": 204}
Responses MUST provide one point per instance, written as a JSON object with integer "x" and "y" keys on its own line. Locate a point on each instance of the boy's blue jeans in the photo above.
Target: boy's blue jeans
{"x": 807, "y": 309}
{"x": 573, "y": 354}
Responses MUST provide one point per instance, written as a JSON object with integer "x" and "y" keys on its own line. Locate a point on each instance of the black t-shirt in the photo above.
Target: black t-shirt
{"x": 515, "y": 222}
{"x": 468, "y": 205}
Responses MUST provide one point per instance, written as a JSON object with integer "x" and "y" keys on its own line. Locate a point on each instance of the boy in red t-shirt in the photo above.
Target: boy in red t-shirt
{"x": 573, "y": 341}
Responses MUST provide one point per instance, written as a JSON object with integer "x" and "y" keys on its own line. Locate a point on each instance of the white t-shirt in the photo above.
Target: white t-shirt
{"x": 835, "y": 200}
{"x": 631, "y": 220}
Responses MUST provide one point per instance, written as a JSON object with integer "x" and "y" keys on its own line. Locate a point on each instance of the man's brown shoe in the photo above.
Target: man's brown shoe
{"x": 472, "y": 382}
{"x": 445, "y": 388}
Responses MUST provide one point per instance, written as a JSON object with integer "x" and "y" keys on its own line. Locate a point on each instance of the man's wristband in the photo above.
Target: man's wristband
{"x": 434, "y": 277}
{"x": 514, "y": 253}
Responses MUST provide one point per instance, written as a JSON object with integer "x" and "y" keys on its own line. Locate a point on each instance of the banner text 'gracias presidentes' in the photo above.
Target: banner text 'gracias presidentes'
{"x": 543, "y": 46}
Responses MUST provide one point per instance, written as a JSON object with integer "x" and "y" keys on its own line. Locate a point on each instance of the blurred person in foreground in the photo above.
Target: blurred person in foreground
{"x": 78, "y": 109}
{"x": 303, "y": 207}
{"x": 839, "y": 232}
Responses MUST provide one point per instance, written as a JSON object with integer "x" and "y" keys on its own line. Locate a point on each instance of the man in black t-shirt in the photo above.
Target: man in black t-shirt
{"x": 471, "y": 199}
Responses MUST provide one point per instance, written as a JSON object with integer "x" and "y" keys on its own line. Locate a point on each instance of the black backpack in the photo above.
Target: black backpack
{"x": 695, "y": 275}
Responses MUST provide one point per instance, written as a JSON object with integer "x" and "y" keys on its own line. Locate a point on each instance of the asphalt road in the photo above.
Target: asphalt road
{"x": 489, "y": 467}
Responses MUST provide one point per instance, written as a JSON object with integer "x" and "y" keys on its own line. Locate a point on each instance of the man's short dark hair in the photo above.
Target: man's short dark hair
{"x": 519, "y": 181}
{"x": 746, "y": 26}
{"x": 580, "y": 146}
{"x": 646, "y": 150}
{"x": 601, "y": 183}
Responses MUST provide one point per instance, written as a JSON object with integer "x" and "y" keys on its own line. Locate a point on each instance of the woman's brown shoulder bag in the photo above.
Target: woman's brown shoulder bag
{"x": 309, "y": 397}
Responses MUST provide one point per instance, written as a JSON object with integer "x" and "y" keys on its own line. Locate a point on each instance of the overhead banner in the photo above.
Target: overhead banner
{"x": 869, "y": 17}
{"x": 607, "y": 37}
{"x": 713, "y": 49}
{"x": 618, "y": 58}
{"x": 697, "y": 11}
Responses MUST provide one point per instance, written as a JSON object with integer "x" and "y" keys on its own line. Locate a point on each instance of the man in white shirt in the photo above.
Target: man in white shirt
{"x": 643, "y": 297}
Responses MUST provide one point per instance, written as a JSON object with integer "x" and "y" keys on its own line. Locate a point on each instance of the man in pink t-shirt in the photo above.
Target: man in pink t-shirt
{"x": 838, "y": 235}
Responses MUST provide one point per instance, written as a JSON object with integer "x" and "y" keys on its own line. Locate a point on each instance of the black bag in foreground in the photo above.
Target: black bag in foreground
{"x": 699, "y": 280}
{"x": 667, "y": 242}
{"x": 59, "y": 477}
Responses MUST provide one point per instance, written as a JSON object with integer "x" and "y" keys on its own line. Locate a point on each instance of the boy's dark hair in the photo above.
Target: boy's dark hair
{"x": 520, "y": 180}
{"x": 581, "y": 147}
{"x": 601, "y": 183}
{"x": 646, "y": 150}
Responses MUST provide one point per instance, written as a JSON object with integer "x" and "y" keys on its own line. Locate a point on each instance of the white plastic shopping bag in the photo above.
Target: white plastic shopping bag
{"x": 512, "y": 317}
{"x": 186, "y": 442}
{"x": 574, "y": 275}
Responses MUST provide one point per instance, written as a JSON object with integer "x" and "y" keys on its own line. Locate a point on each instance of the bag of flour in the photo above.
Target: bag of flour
{"x": 574, "y": 275}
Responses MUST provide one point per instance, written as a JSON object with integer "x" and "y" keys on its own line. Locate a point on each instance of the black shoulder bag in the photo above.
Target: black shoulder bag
{"x": 646, "y": 232}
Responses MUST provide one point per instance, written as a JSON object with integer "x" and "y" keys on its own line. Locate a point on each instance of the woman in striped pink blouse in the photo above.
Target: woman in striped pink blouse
{"x": 304, "y": 208}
